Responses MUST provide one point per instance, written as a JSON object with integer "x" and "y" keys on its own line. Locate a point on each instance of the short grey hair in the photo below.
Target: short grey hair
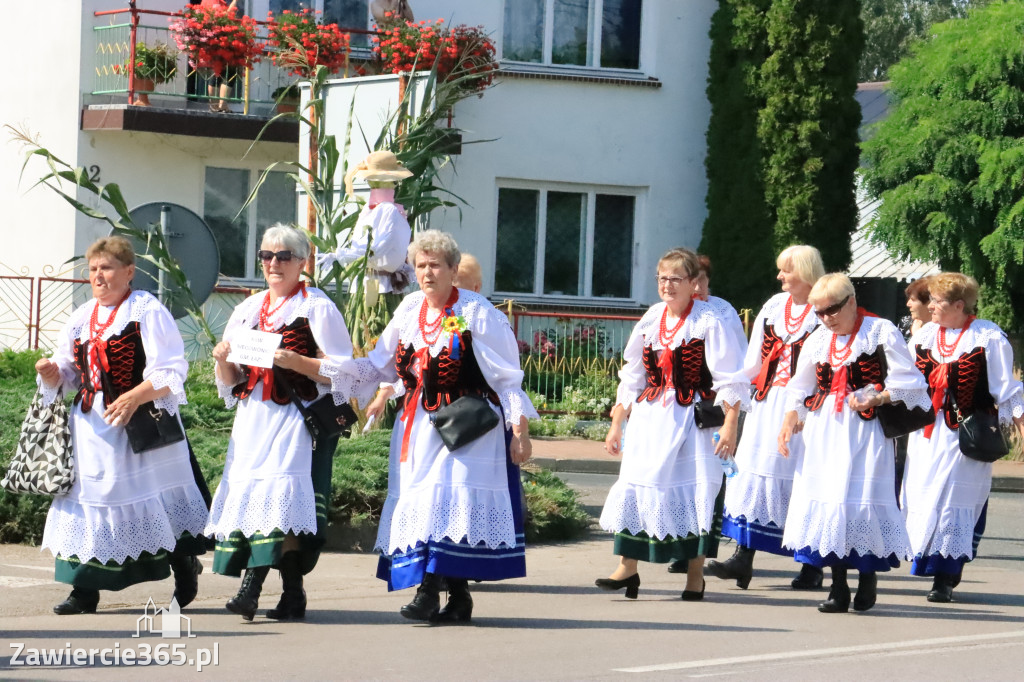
{"x": 438, "y": 243}
{"x": 292, "y": 238}
{"x": 831, "y": 288}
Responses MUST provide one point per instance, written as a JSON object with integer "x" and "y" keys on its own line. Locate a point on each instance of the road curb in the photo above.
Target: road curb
{"x": 1000, "y": 484}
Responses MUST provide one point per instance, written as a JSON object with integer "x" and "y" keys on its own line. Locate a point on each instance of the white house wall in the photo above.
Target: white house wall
{"x": 643, "y": 139}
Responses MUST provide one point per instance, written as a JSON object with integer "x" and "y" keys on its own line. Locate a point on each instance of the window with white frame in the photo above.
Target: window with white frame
{"x": 595, "y": 33}
{"x": 344, "y": 13}
{"x": 565, "y": 243}
{"x": 225, "y": 193}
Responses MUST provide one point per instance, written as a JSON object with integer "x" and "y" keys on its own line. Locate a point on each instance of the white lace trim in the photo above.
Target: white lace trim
{"x": 225, "y": 392}
{"x": 168, "y": 378}
{"x": 365, "y": 378}
{"x": 911, "y": 397}
{"x": 47, "y": 394}
{"x": 842, "y": 528}
{"x": 759, "y": 499}
{"x": 953, "y": 535}
{"x": 1011, "y": 409}
{"x": 470, "y": 305}
{"x": 677, "y": 511}
{"x": 139, "y": 302}
{"x": 734, "y": 394}
{"x": 124, "y": 531}
{"x": 287, "y": 503}
{"x": 342, "y": 385}
{"x": 295, "y": 307}
{"x": 459, "y": 514}
{"x": 515, "y": 407}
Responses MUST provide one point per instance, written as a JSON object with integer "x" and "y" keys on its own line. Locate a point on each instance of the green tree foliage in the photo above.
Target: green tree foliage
{"x": 891, "y": 27}
{"x": 808, "y": 126}
{"x": 948, "y": 162}
{"x": 737, "y": 212}
{"x": 782, "y": 140}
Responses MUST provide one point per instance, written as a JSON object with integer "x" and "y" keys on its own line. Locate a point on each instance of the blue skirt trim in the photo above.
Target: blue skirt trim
{"x": 868, "y": 563}
{"x": 936, "y": 563}
{"x": 459, "y": 559}
{"x": 763, "y": 538}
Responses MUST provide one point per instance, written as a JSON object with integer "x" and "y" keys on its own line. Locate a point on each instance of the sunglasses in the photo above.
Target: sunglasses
{"x": 832, "y": 309}
{"x": 267, "y": 256}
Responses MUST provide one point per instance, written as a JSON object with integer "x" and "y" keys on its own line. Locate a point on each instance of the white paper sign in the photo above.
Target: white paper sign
{"x": 254, "y": 348}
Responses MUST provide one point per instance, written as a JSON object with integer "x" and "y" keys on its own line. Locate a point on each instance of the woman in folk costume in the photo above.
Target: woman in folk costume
{"x": 969, "y": 366}
{"x": 270, "y": 509}
{"x": 130, "y": 515}
{"x": 843, "y": 512}
{"x": 667, "y": 503}
{"x": 450, "y": 516}
{"x": 757, "y": 498}
{"x": 381, "y": 234}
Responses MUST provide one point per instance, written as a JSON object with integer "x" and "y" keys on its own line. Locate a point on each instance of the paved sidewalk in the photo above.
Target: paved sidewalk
{"x": 589, "y": 457}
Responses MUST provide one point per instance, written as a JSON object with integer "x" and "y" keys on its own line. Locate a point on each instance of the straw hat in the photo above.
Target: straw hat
{"x": 382, "y": 166}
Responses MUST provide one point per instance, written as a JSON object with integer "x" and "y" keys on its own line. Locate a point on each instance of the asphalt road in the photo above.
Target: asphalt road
{"x": 551, "y": 625}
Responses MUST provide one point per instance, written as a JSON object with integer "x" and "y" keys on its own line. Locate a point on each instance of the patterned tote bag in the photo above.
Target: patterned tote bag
{"x": 43, "y": 464}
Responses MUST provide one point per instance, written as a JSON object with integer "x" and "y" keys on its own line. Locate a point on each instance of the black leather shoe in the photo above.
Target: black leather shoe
{"x": 867, "y": 591}
{"x": 738, "y": 567}
{"x": 81, "y": 600}
{"x": 292, "y": 605}
{"x": 839, "y": 595}
{"x": 694, "y": 595}
{"x": 809, "y": 578}
{"x": 186, "y": 578}
{"x": 632, "y": 585}
{"x": 942, "y": 589}
{"x": 679, "y": 566}
{"x": 247, "y": 600}
{"x": 459, "y": 608}
{"x": 427, "y": 602}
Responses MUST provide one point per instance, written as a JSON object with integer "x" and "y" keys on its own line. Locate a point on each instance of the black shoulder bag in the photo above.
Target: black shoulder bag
{"x": 324, "y": 420}
{"x": 464, "y": 420}
{"x": 896, "y": 418}
{"x": 152, "y": 427}
{"x": 980, "y": 435}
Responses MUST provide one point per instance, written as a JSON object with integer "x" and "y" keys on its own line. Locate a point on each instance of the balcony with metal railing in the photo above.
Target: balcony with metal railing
{"x": 187, "y": 103}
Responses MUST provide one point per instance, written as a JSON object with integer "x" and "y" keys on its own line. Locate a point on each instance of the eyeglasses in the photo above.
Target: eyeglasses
{"x": 674, "y": 281}
{"x": 267, "y": 256}
{"x": 832, "y": 309}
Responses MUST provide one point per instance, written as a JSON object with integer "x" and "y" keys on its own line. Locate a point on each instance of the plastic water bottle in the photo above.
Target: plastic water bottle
{"x": 729, "y": 467}
{"x": 867, "y": 392}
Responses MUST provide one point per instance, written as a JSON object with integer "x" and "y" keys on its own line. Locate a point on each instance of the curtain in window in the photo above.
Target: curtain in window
{"x": 523, "y": 39}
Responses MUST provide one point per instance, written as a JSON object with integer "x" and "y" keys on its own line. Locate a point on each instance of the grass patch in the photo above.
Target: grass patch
{"x": 359, "y": 478}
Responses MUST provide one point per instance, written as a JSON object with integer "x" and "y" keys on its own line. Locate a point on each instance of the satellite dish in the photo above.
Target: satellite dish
{"x": 191, "y": 243}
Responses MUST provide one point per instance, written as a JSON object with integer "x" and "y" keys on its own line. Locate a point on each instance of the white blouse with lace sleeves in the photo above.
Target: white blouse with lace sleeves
{"x": 497, "y": 354}
{"x": 1005, "y": 389}
{"x": 904, "y": 380}
{"x": 724, "y": 353}
{"x": 379, "y": 365}
{"x": 752, "y": 358}
{"x": 165, "y": 355}
{"x": 332, "y": 338}
{"x": 238, "y": 322}
{"x": 65, "y": 363}
{"x": 633, "y": 376}
{"x": 804, "y": 379}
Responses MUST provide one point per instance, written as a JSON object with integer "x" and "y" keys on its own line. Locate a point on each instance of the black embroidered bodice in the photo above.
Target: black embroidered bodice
{"x": 690, "y": 373}
{"x": 126, "y": 359}
{"x": 768, "y": 342}
{"x": 296, "y": 337}
{"x": 868, "y": 369}
{"x": 444, "y": 379}
{"x": 967, "y": 380}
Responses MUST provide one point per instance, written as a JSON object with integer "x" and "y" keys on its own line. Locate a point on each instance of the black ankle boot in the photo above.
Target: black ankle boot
{"x": 809, "y": 578}
{"x": 247, "y": 600}
{"x": 942, "y": 589}
{"x": 292, "y": 605}
{"x": 839, "y": 595}
{"x": 186, "y": 569}
{"x": 867, "y": 591}
{"x": 81, "y": 600}
{"x": 426, "y": 604}
{"x": 738, "y": 567}
{"x": 459, "y": 608}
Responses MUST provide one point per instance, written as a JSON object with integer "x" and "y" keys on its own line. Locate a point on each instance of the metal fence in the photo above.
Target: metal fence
{"x": 34, "y": 310}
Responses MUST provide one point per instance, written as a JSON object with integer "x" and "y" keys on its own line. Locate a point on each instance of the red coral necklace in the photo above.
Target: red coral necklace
{"x": 793, "y": 324}
{"x": 432, "y": 330}
{"x": 665, "y": 335}
{"x": 838, "y": 356}
{"x": 266, "y": 313}
{"x": 945, "y": 349}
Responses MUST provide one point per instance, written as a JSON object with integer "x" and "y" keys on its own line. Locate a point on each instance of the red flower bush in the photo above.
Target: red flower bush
{"x": 217, "y": 38}
{"x": 463, "y": 54}
{"x": 300, "y": 43}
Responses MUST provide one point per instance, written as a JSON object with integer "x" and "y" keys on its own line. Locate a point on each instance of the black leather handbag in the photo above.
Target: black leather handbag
{"x": 464, "y": 420}
{"x": 980, "y": 435}
{"x": 898, "y": 420}
{"x": 708, "y": 415}
{"x": 324, "y": 420}
{"x": 152, "y": 427}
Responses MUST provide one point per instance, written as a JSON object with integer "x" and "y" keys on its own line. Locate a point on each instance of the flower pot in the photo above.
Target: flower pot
{"x": 142, "y": 88}
{"x": 287, "y": 107}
